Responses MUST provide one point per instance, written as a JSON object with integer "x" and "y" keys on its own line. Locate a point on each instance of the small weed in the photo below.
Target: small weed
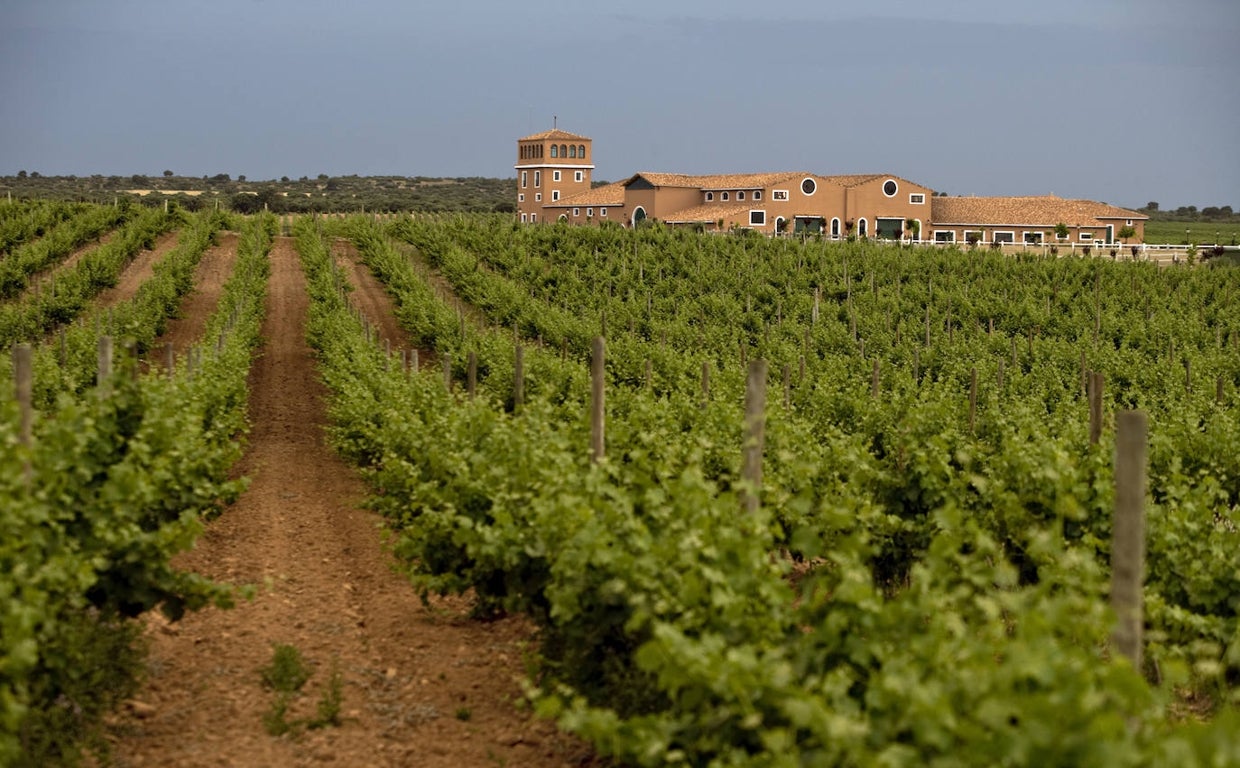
{"x": 287, "y": 672}
{"x": 287, "y": 675}
{"x": 463, "y": 714}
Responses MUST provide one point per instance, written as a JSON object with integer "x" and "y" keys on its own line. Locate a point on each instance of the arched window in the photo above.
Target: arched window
{"x": 861, "y": 227}
{"x": 835, "y": 229}
{"x": 553, "y": 148}
{"x": 563, "y": 150}
{"x": 581, "y": 151}
{"x": 572, "y": 150}
{"x": 639, "y": 215}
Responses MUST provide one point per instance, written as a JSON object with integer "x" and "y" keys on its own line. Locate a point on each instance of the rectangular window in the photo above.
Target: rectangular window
{"x": 602, "y": 211}
{"x": 1086, "y": 236}
{"x": 578, "y": 176}
{"x": 917, "y": 198}
{"x": 589, "y": 212}
{"x": 524, "y": 178}
{"x": 757, "y": 218}
{"x": 523, "y": 218}
{"x": 757, "y": 194}
{"x": 555, "y": 175}
{"x": 740, "y": 195}
{"x": 576, "y": 212}
{"x": 555, "y": 195}
{"x": 533, "y": 217}
{"x": 779, "y": 194}
{"x": 1004, "y": 237}
{"x": 537, "y": 178}
{"x": 521, "y": 198}
{"x": 944, "y": 236}
{"x": 1033, "y": 238}
{"x": 538, "y": 197}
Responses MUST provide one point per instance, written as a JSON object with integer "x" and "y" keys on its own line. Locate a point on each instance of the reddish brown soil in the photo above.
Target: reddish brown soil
{"x": 213, "y": 271}
{"x": 40, "y": 280}
{"x": 137, "y": 271}
{"x": 423, "y": 686}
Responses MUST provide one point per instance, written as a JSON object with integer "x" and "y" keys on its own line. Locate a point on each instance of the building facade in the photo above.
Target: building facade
{"x": 553, "y": 185}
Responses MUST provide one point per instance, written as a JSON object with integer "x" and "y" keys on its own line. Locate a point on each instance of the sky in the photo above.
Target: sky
{"x": 1122, "y": 101}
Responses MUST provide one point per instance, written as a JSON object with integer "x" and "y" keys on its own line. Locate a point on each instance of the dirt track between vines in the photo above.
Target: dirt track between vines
{"x": 423, "y": 686}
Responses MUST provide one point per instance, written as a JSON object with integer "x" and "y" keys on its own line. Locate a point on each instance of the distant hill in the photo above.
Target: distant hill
{"x": 322, "y": 193}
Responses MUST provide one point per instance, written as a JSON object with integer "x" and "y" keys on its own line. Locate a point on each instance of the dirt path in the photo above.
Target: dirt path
{"x": 213, "y": 271}
{"x": 41, "y": 280}
{"x": 370, "y": 296}
{"x": 137, "y": 271}
{"x": 422, "y": 686}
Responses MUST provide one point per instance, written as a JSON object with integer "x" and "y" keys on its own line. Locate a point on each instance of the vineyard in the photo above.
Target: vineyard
{"x": 762, "y": 502}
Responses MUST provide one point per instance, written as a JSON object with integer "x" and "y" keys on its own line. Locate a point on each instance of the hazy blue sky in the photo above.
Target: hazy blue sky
{"x": 1124, "y": 101}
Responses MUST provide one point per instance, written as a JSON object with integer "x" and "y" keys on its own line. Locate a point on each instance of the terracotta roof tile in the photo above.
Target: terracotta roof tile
{"x": 1044, "y": 211}
{"x": 607, "y": 195}
{"x": 710, "y": 212}
{"x": 555, "y": 133}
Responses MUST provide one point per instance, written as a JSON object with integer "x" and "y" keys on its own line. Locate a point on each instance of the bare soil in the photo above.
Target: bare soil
{"x": 423, "y": 685}
{"x": 138, "y": 271}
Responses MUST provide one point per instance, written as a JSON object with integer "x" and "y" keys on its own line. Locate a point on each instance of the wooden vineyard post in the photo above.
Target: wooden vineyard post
{"x": 1015, "y": 362}
{"x": 447, "y": 372}
{"x": 787, "y": 386}
{"x": 999, "y": 377}
{"x": 972, "y": 399}
{"x": 813, "y": 317}
{"x": 518, "y": 378}
{"x": 23, "y": 384}
{"x": 874, "y": 381}
{"x": 706, "y": 381}
{"x": 471, "y": 374}
{"x": 597, "y": 393}
{"x": 1188, "y": 375}
{"x": 413, "y": 361}
{"x": 801, "y": 371}
{"x": 927, "y": 326}
{"x": 104, "y": 359}
{"x": 1095, "y": 407}
{"x": 387, "y": 354}
{"x": 754, "y": 436}
{"x": 1128, "y": 543}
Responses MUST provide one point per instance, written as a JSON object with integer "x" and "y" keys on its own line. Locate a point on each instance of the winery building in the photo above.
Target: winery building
{"x": 554, "y": 185}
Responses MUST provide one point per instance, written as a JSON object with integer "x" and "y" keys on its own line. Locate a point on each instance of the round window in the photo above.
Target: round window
{"x": 890, "y": 188}
{"x": 808, "y": 186}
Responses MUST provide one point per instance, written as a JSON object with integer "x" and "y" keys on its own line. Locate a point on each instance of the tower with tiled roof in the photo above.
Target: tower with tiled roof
{"x": 551, "y": 165}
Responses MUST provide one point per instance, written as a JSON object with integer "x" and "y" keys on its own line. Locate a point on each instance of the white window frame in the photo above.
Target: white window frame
{"x": 589, "y": 213}
{"x": 576, "y": 212}
{"x": 525, "y": 177}
{"x": 538, "y": 197}
{"x": 863, "y": 227}
{"x": 723, "y": 196}
{"x": 537, "y": 179}
{"x": 1011, "y": 233}
{"x": 602, "y": 211}
{"x": 710, "y": 197}
{"x": 555, "y": 195}
{"x": 555, "y": 175}
{"x": 533, "y": 218}
{"x": 740, "y": 195}
{"x": 578, "y": 176}
{"x": 1024, "y": 237}
{"x": 521, "y": 197}
{"x": 916, "y": 198}
{"x": 757, "y": 194}
{"x": 523, "y": 218}
{"x": 812, "y": 183}
{"x": 760, "y": 212}
{"x": 883, "y": 188}
{"x": 951, "y": 235}
{"x": 835, "y": 228}
{"x": 1083, "y": 236}
{"x": 779, "y": 195}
